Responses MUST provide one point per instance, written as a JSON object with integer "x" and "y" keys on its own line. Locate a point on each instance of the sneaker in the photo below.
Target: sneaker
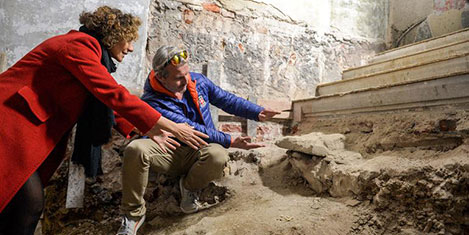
{"x": 130, "y": 226}
{"x": 189, "y": 200}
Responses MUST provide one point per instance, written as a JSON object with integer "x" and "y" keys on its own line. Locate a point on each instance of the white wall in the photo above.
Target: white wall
{"x": 357, "y": 18}
{"x": 26, "y": 23}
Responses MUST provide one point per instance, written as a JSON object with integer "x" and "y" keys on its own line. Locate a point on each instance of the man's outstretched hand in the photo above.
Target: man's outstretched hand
{"x": 244, "y": 142}
{"x": 267, "y": 114}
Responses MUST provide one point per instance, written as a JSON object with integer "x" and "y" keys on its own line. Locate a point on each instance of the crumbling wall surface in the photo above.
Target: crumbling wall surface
{"x": 24, "y": 24}
{"x": 412, "y": 166}
{"x": 416, "y": 133}
{"x": 429, "y": 196}
{"x": 413, "y": 21}
{"x": 263, "y": 49}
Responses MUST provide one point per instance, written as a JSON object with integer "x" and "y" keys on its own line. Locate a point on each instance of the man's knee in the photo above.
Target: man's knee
{"x": 137, "y": 149}
{"x": 217, "y": 155}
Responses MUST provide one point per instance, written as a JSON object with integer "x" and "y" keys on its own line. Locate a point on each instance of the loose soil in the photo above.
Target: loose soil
{"x": 263, "y": 193}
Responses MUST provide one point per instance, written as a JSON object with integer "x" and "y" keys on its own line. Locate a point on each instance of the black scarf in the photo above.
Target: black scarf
{"x": 95, "y": 124}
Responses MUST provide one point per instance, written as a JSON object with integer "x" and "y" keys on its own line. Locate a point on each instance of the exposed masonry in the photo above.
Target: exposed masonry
{"x": 259, "y": 50}
{"x": 429, "y": 194}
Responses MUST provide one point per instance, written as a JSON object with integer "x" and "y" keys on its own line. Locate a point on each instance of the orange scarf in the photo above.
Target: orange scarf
{"x": 191, "y": 87}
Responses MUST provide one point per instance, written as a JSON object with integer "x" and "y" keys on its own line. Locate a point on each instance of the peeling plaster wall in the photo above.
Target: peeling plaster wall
{"x": 364, "y": 18}
{"x": 271, "y": 49}
{"x": 422, "y": 19}
{"x": 26, "y": 23}
{"x": 265, "y": 48}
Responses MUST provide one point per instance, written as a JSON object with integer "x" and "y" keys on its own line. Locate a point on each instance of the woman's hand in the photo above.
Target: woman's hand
{"x": 181, "y": 131}
{"x": 164, "y": 140}
{"x": 188, "y": 135}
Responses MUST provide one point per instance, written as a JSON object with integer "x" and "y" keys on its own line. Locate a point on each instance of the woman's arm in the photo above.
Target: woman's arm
{"x": 182, "y": 131}
{"x": 81, "y": 57}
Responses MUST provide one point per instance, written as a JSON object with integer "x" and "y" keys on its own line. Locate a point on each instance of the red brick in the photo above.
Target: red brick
{"x": 211, "y": 7}
{"x": 188, "y": 16}
{"x": 263, "y": 130}
{"x": 241, "y": 48}
{"x": 231, "y": 128}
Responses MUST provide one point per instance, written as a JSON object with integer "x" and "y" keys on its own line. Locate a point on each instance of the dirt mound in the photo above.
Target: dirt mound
{"x": 432, "y": 196}
{"x": 266, "y": 197}
{"x": 384, "y": 173}
{"x": 260, "y": 194}
{"x": 413, "y": 173}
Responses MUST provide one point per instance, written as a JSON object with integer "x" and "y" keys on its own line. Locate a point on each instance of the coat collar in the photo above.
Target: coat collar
{"x": 191, "y": 87}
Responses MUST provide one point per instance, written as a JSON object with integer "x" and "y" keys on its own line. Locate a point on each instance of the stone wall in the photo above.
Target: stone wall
{"x": 267, "y": 48}
{"x": 263, "y": 48}
{"x": 411, "y": 21}
{"x": 25, "y": 23}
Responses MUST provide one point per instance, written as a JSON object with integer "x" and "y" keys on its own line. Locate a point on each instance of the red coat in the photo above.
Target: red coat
{"x": 41, "y": 98}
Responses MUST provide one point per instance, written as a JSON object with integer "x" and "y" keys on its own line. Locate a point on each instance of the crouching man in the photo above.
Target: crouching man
{"x": 182, "y": 97}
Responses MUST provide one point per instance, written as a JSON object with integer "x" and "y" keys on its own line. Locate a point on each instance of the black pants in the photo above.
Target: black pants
{"x": 21, "y": 215}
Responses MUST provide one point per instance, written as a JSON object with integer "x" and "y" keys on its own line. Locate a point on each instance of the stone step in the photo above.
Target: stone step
{"x": 445, "y": 52}
{"x": 452, "y": 64}
{"x": 343, "y": 173}
{"x": 435, "y": 92}
{"x": 346, "y": 174}
{"x": 460, "y": 35}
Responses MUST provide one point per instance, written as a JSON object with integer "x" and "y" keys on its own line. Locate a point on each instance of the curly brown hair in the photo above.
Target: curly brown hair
{"x": 111, "y": 24}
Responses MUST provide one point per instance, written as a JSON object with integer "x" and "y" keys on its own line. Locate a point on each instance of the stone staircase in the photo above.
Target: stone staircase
{"x": 390, "y": 134}
{"x": 433, "y": 72}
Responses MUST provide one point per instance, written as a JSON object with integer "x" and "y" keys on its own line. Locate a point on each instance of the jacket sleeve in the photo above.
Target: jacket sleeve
{"x": 231, "y": 103}
{"x": 81, "y": 57}
{"x": 215, "y": 136}
{"x": 123, "y": 126}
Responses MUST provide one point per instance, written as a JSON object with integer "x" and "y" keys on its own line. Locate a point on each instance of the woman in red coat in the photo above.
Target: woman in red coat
{"x": 43, "y": 95}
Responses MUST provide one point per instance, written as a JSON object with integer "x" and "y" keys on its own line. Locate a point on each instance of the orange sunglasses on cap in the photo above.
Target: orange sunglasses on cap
{"x": 177, "y": 58}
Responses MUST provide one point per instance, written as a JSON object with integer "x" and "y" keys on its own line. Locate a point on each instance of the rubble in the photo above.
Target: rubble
{"x": 315, "y": 143}
{"x": 334, "y": 182}
{"x": 431, "y": 195}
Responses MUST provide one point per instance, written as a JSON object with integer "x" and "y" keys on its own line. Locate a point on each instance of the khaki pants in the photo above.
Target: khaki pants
{"x": 142, "y": 155}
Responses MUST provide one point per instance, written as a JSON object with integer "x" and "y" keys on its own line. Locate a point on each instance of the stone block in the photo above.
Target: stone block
{"x": 315, "y": 143}
{"x": 444, "y": 52}
{"x": 446, "y": 22}
{"x": 424, "y": 69}
{"x": 212, "y": 71}
{"x": 76, "y": 186}
{"x": 251, "y": 124}
{"x": 421, "y": 46}
{"x": 450, "y": 90}
{"x": 3, "y": 62}
{"x": 282, "y": 105}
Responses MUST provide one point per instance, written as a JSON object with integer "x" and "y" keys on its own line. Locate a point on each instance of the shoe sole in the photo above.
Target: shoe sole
{"x": 139, "y": 224}
{"x": 188, "y": 212}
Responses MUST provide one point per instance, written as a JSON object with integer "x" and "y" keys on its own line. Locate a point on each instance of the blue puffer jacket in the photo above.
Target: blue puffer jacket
{"x": 203, "y": 92}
